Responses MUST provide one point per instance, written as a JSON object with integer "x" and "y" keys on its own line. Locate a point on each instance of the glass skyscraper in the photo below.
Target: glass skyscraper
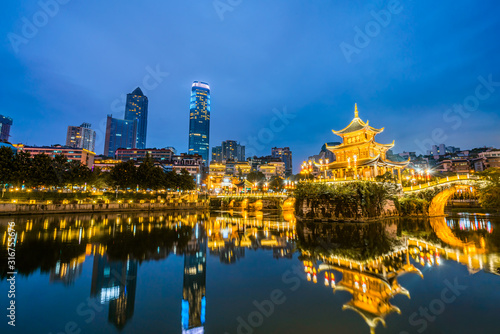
{"x": 120, "y": 133}
{"x": 199, "y": 120}
{"x": 137, "y": 108}
{"x": 5, "y": 123}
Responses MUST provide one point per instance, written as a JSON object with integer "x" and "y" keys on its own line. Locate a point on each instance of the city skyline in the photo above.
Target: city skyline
{"x": 260, "y": 74}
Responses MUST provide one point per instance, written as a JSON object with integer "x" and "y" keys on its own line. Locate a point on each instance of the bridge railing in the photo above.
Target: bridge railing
{"x": 442, "y": 181}
{"x": 258, "y": 195}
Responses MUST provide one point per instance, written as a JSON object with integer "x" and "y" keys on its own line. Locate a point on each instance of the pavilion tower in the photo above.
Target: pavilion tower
{"x": 359, "y": 156}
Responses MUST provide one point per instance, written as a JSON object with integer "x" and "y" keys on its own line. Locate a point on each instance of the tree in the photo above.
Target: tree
{"x": 276, "y": 183}
{"x": 489, "y": 194}
{"x": 6, "y": 165}
{"x": 42, "y": 171}
{"x": 170, "y": 180}
{"x": 124, "y": 175}
{"x": 185, "y": 181}
{"x": 22, "y": 172}
{"x": 144, "y": 173}
{"x": 98, "y": 178}
{"x": 60, "y": 168}
{"x": 256, "y": 177}
{"x": 77, "y": 173}
{"x": 387, "y": 177}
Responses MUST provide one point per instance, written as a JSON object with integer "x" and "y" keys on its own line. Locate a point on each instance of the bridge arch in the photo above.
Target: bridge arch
{"x": 436, "y": 208}
{"x": 289, "y": 203}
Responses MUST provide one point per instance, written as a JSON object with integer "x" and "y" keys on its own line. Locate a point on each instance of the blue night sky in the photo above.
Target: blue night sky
{"x": 416, "y": 74}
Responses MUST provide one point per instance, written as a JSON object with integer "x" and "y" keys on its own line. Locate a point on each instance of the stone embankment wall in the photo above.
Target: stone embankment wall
{"x": 326, "y": 210}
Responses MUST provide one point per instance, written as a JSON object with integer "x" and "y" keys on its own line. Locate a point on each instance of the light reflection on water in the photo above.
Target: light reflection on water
{"x": 108, "y": 257}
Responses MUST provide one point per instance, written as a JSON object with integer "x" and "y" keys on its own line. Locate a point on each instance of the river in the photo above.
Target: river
{"x": 230, "y": 272}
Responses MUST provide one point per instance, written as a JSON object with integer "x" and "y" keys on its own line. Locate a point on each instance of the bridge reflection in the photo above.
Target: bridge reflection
{"x": 365, "y": 260}
{"x": 116, "y": 244}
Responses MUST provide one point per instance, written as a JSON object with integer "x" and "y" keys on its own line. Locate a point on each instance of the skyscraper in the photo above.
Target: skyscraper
{"x": 137, "y": 108}
{"x": 120, "y": 133}
{"x": 285, "y": 155}
{"x": 5, "y": 123}
{"x": 199, "y": 120}
{"x": 81, "y": 137}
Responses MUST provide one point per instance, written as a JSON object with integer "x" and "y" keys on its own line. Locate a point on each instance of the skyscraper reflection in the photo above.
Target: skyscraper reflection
{"x": 115, "y": 282}
{"x": 194, "y": 286}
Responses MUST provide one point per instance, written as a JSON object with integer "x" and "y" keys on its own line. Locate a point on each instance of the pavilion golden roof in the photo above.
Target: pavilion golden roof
{"x": 356, "y": 125}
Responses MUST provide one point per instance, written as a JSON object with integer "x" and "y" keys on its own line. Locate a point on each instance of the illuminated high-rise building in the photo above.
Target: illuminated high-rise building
{"x": 199, "y": 120}
{"x": 81, "y": 137}
{"x": 5, "y": 123}
{"x": 230, "y": 150}
{"x": 137, "y": 108}
{"x": 285, "y": 155}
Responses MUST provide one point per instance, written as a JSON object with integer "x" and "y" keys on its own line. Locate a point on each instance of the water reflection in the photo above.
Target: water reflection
{"x": 119, "y": 243}
{"x": 365, "y": 260}
{"x": 194, "y": 286}
{"x": 114, "y": 282}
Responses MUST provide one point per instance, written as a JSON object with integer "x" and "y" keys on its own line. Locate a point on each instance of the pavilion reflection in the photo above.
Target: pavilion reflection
{"x": 366, "y": 260}
{"x": 362, "y": 259}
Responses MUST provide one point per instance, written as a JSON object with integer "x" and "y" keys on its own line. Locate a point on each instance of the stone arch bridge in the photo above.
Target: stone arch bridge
{"x": 445, "y": 188}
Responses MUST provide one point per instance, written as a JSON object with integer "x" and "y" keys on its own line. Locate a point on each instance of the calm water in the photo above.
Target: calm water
{"x": 248, "y": 273}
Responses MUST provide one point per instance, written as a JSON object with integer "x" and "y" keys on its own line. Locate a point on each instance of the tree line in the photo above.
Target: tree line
{"x": 37, "y": 171}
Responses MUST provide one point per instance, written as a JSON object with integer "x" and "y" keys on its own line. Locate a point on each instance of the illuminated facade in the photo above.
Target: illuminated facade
{"x": 199, "y": 120}
{"x": 359, "y": 156}
{"x": 120, "y": 133}
{"x": 136, "y": 108}
{"x": 81, "y": 137}
{"x": 272, "y": 169}
{"x": 160, "y": 155}
{"x": 85, "y": 157}
{"x": 285, "y": 155}
{"x": 230, "y": 150}
{"x": 105, "y": 165}
{"x": 191, "y": 163}
{"x": 5, "y": 124}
